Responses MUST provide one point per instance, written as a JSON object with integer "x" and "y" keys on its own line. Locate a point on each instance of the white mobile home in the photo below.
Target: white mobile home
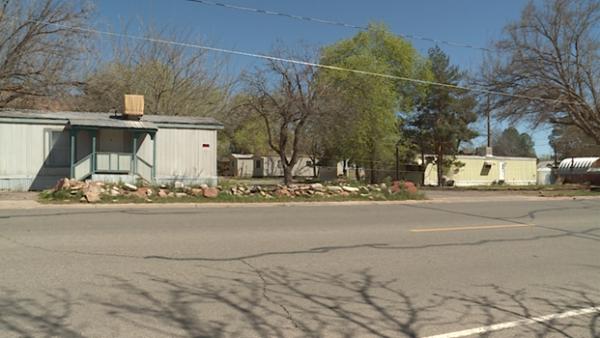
{"x": 486, "y": 170}
{"x": 37, "y": 148}
{"x": 270, "y": 166}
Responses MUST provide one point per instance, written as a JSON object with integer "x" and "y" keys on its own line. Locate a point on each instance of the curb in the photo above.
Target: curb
{"x": 29, "y": 204}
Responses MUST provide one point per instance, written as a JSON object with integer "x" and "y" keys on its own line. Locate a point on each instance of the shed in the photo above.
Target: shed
{"x": 580, "y": 170}
{"x": 242, "y": 165}
{"x": 38, "y": 147}
{"x": 486, "y": 170}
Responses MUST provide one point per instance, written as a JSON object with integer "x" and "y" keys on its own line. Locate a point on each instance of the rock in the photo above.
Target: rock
{"x": 83, "y": 200}
{"x": 163, "y": 186}
{"x": 150, "y": 192}
{"x": 162, "y": 193}
{"x": 352, "y": 190}
{"x": 364, "y": 190}
{"x": 130, "y": 187}
{"x": 180, "y": 194}
{"x": 282, "y": 192}
{"x": 92, "y": 196}
{"x": 335, "y": 189}
{"x": 178, "y": 185}
{"x": 171, "y": 194}
{"x": 317, "y": 187}
{"x": 142, "y": 192}
{"x": 203, "y": 186}
{"x": 115, "y": 192}
{"x": 255, "y": 189}
{"x": 383, "y": 186}
{"x": 344, "y": 194}
{"x": 396, "y": 187}
{"x": 210, "y": 192}
{"x": 63, "y": 184}
{"x": 319, "y": 193}
{"x": 197, "y": 191}
{"x": 410, "y": 187}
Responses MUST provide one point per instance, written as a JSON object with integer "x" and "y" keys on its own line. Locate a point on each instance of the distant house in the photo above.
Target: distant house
{"x": 485, "y": 170}
{"x": 241, "y": 165}
{"x": 37, "y": 148}
{"x": 270, "y": 166}
{"x": 580, "y": 170}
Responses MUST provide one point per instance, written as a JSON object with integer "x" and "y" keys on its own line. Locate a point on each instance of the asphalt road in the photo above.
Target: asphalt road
{"x": 414, "y": 270}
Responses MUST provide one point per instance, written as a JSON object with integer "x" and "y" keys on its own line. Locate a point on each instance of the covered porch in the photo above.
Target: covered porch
{"x": 113, "y": 150}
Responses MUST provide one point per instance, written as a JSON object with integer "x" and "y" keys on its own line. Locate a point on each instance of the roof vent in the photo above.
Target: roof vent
{"x": 134, "y": 107}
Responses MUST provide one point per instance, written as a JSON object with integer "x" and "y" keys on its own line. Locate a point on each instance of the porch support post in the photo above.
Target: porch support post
{"x": 94, "y": 134}
{"x": 134, "y": 153}
{"x": 153, "y": 137}
{"x": 73, "y": 139}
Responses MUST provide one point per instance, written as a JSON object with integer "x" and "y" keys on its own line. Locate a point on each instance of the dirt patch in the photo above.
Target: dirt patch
{"x": 18, "y": 196}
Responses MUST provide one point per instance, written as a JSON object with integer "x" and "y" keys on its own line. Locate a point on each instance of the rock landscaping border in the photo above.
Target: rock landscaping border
{"x": 72, "y": 191}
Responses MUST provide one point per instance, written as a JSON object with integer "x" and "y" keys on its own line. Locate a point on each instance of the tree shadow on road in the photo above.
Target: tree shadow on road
{"x": 282, "y": 302}
{"x": 24, "y": 316}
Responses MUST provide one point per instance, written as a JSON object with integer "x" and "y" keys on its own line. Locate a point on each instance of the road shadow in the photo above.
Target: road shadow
{"x": 47, "y": 316}
{"x": 283, "y": 302}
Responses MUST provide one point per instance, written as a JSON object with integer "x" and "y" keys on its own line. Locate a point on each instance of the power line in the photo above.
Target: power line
{"x": 293, "y": 61}
{"x": 335, "y": 23}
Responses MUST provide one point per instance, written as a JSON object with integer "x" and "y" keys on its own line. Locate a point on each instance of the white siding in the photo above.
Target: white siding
{"x": 271, "y": 167}
{"x": 181, "y": 155}
{"x": 23, "y": 150}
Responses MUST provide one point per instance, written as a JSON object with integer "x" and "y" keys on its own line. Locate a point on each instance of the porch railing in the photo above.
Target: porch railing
{"x": 113, "y": 162}
{"x": 83, "y": 168}
{"x": 144, "y": 169}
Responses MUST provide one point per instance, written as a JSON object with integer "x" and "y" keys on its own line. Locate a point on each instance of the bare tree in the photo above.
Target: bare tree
{"x": 175, "y": 79}
{"x": 285, "y": 96}
{"x": 552, "y": 53}
{"x": 38, "y": 53}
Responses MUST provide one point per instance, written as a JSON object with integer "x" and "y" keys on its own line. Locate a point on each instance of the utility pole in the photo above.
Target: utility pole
{"x": 488, "y": 150}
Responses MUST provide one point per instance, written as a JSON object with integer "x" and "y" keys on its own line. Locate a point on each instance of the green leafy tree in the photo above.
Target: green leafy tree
{"x": 443, "y": 116}
{"x": 512, "y": 143}
{"x": 366, "y": 129}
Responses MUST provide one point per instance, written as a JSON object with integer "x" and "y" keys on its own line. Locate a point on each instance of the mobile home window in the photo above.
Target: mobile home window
{"x": 57, "y": 149}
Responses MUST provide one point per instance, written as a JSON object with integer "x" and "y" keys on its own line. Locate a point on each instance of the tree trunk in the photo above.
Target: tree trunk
{"x": 440, "y": 169}
{"x": 287, "y": 174}
{"x": 423, "y": 166}
{"x": 372, "y": 167}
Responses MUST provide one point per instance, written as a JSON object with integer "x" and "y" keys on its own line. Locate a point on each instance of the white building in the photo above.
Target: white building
{"x": 37, "y": 148}
{"x": 270, "y": 166}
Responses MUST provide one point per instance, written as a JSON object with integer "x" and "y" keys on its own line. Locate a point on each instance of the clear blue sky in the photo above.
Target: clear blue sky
{"x": 473, "y": 22}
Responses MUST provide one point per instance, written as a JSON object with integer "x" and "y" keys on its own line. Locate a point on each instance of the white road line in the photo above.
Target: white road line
{"x": 509, "y": 325}
{"x": 472, "y": 227}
